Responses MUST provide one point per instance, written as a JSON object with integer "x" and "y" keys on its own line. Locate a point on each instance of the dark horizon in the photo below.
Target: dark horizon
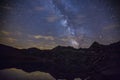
{"x": 99, "y": 62}
{"x": 95, "y": 42}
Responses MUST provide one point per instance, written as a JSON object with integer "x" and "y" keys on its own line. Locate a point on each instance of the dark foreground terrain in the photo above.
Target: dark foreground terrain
{"x": 99, "y": 62}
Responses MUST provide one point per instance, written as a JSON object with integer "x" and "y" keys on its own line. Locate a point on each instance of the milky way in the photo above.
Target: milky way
{"x": 65, "y": 21}
{"x": 46, "y": 24}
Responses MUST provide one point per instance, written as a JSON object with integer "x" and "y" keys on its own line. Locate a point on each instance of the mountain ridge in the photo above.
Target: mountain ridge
{"x": 95, "y": 43}
{"x": 96, "y": 62}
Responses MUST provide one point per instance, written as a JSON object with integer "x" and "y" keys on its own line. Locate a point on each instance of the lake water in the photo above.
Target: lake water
{"x": 18, "y": 74}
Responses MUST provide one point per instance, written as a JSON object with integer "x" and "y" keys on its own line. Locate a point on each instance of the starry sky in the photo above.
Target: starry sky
{"x": 46, "y": 24}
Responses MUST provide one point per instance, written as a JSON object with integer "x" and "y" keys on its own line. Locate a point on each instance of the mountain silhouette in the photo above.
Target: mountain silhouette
{"x": 99, "y": 62}
{"x": 96, "y": 45}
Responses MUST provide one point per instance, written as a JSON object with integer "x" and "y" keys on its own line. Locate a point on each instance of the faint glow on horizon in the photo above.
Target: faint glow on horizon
{"x": 74, "y": 43}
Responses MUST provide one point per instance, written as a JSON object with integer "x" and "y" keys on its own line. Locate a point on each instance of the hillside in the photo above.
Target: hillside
{"x": 99, "y": 62}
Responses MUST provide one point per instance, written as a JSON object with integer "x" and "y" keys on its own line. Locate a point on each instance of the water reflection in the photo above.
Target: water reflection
{"x": 18, "y": 74}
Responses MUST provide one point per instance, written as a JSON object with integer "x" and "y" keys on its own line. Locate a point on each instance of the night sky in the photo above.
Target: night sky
{"x": 46, "y": 24}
